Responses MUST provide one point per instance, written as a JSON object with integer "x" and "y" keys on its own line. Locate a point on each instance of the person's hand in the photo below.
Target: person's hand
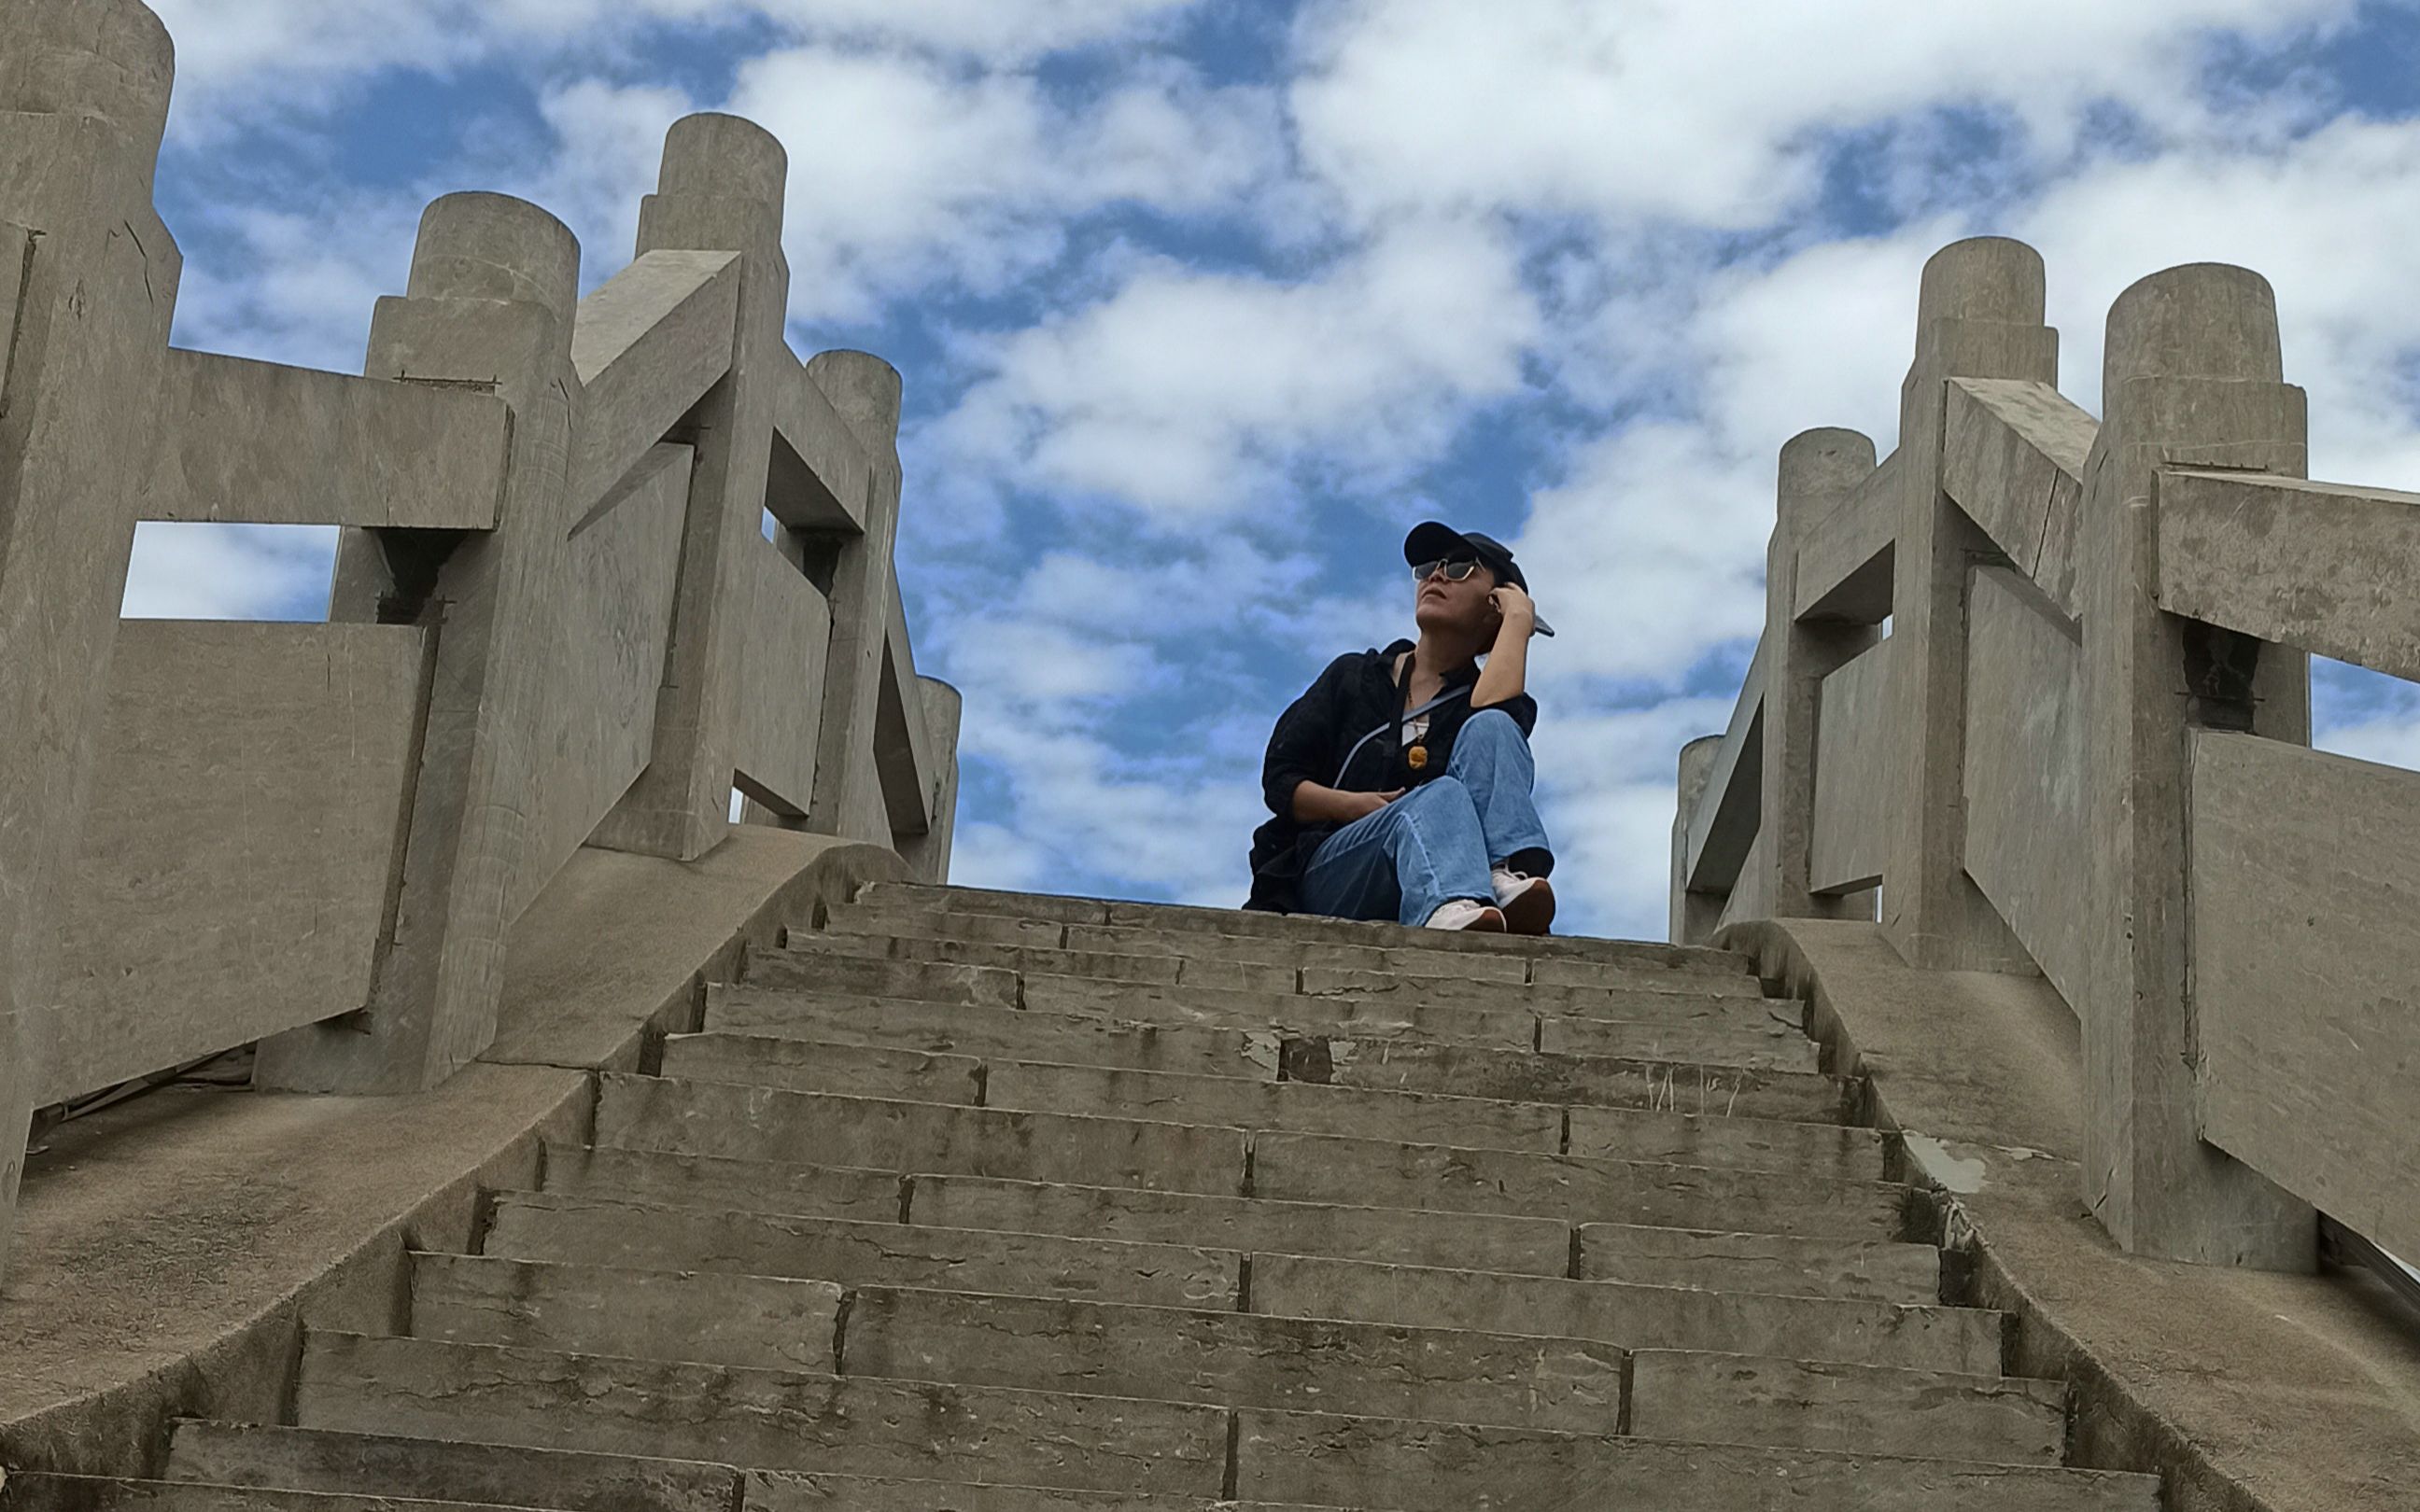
{"x": 1520, "y": 613}
{"x": 1366, "y": 804}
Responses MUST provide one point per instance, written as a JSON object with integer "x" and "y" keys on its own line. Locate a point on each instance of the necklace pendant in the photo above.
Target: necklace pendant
{"x": 1417, "y": 758}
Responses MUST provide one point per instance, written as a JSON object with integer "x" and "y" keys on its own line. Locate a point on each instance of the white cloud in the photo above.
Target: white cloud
{"x": 1702, "y": 112}
{"x": 1202, "y": 396}
{"x": 229, "y": 572}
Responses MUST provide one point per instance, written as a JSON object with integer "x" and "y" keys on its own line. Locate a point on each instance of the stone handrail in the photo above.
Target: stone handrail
{"x": 557, "y": 616}
{"x": 2083, "y": 747}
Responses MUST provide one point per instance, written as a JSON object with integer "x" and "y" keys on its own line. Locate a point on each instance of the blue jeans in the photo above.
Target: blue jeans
{"x": 1438, "y": 842}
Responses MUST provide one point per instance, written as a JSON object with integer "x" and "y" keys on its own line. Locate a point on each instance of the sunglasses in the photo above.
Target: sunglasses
{"x": 1455, "y": 571}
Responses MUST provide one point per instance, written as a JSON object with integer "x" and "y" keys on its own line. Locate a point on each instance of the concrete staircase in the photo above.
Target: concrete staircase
{"x": 984, "y": 1202}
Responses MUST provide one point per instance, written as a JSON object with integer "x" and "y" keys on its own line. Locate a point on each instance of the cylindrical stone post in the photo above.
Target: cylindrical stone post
{"x": 1819, "y": 469}
{"x": 1694, "y": 914}
{"x": 928, "y": 855}
{"x": 1979, "y": 315}
{"x": 720, "y": 189}
{"x": 2191, "y": 377}
{"x": 88, "y": 287}
{"x": 866, "y": 392}
{"x": 493, "y": 293}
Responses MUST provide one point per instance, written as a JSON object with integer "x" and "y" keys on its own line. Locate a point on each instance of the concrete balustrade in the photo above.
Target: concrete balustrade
{"x": 2082, "y": 749}
{"x": 554, "y": 619}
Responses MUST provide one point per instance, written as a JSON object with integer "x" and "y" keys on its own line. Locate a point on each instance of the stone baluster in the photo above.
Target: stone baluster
{"x": 720, "y": 189}
{"x": 1979, "y": 315}
{"x": 2192, "y": 375}
{"x": 1819, "y": 469}
{"x": 928, "y": 855}
{"x": 865, "y": 391}
{"x": 88, "y": 282}
{"x": 494, "y": 292}
{"x": 1694, "y": 914}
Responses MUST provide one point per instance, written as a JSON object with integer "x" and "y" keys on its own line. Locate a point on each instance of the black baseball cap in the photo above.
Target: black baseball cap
{"x": 1435, "y": 541}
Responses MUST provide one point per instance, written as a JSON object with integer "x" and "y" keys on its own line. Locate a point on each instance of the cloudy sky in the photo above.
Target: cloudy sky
{"x": 1201, "y": 302}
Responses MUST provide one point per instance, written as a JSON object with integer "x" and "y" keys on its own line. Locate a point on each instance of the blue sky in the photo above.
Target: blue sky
{"x": 1201, "y": 302}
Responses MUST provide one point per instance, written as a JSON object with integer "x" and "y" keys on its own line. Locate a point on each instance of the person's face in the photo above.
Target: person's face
{"x": 1445, "y": 603}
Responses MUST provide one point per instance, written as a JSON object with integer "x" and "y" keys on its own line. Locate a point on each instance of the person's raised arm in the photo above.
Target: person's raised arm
{"x": 1506, "y": 676}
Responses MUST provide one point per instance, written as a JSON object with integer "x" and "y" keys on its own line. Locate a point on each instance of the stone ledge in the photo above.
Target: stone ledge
{"x": 2247, "y": 1390}
{"x": 171, "y": 1249}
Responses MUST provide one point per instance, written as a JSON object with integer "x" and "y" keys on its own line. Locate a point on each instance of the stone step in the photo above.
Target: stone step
{"x": 1533, "y": 1246}
{"x": 1773, "y": 1264}
{"x": 1828, "y": 1151}
{"x": 27, "y": 1491}
{"x": 1233, "y": 1359}
{"x": 1419, "y": 961}
{"x": 1508, "y": 1028}
{"x": 1577, "y": 1081}
{"x": 822, "y": 1066}
{"x": 1957, "y": 1340}
{"x": 445, "y": 1470}
{"x": 1486, "y": 1241}
{"x": 707, "y": 1317}
{"x": 872, "y": 975}
{"x": 1434, "y": 1466}
{"x": 1761, "y": 1047}
{"x": 1742, "y": 1002}
{"x": 1797, "y": 1404}
{"x": 647, "y": 1176}
{"x": 760, "y": 1419}
{"x": 564, "y": 1231}
{"x": 741, "y": 1122}
{"x": 1630, "y": 954}
{"x": 1445, "y": 1178}
{"x": 972, "y": 950}
{"x": 1073, "y": 1039}
{"x": 454, "y": 1471}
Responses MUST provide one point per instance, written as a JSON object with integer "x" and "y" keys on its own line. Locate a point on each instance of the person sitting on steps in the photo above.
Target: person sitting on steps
{"x": 1401, "y": 779}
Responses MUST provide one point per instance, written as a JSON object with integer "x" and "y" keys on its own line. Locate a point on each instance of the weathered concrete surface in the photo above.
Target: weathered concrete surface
{"x": 2251, "y": 1391}
{"x": 1767, "y": 1046}
{"x": 2014, "y": 456}
{"x": 1485, "y": 1242}
{"x": 1575, "y": 1081}
{"x": 864, "y": 392}
{"x": 1413, "y": 1116}
{"x": 174, "y": 1244}
{"x": 1828, "y": 1151}
{"x": 637, "y": 1175}
{"x": 1510, "y": 1028}
{"x": 580, "y": 1232}
{"x": 77, "y": 1493}
{"x": 711, "y": 1317}
{"x": 445, "y": 1470}
{"x": 1775, "y": 1264}
{"x": 1316, "y": 1169}
{"x": 767, "y": 1123}
{"x": 858, "y": 1071}
{"x": 649, "y": 343}
{"x": 803, "y": 1019}
{"x": 1235, "y": 1359}
{"x": 1958, "y": 1339}
{"x": 826, "y": 971}
{"x": 802, "y": 1491}
{"x": 1438, "y": 1467}
{"x": 1021, "y": 954}
{"x": 620, "y": 945}
{"x": 783, "y": 637}
{"x": 1802, "y": 1404}
{"x": 1849, "y": 793}
{"x": 247, "y": 786}
{"x": 1724, "y": 825}
{"x": 1845, "y": 556}
{"x": 2303, "y": 1014}
{"x": 1580, "y": 989}
{"x": 772, "y": 1419}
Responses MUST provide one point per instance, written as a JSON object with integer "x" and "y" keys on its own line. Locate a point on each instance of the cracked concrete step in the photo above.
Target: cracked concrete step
{"x": 930, "y": 981}
{"x": 1743, "y": 1002}
{"x": 27, "y": 1491}
{"x": 1771, "y": 1264}
{"x": 706, "y": 1317}
{"x": 822, "y": 1066}
{"x": 1444, "y": 1467}
{"x": 1799, "y": 1404}
{"x": 744, "y": 1122}
{"x": 1574, "y": 1081}
{"x": 771, "y": 1490}
{"x": 1957, "y": 1340}
{"x": 973, "y": 949}
{"x": 445, "y": 1470}
{"x": 759, "y": 1419}
{"x": 1762, "y": 1047}
{"x": 1632, "y": 954}
{"x": 1235, "y": 1358}
{"x": 543, "y": 1228}
{"x": 1078, "y": 1039}
{"x": 1327, "y": 1168}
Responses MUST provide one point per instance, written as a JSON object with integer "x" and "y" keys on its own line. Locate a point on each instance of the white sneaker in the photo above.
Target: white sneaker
{"x": 1465, "y": 913}
{"x": 1528, "y": 901}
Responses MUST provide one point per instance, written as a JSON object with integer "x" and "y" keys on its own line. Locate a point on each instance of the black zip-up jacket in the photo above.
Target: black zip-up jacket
{"x": 1357, "y": 694}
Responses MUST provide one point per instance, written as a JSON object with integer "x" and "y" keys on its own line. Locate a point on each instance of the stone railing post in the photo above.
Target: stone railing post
{"x": 720, "y": 189}
{"x": 847, "y": 801}
{"x": 1819, "y": 469}
{"x": 928, "y": 855}
{"x": 2192, "y": 375}
{"x": 88, "y": 285}
{"x": 495, "y": 283}
{"x": 1979, "y": 316}
{"x": 1693, "y": 912}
